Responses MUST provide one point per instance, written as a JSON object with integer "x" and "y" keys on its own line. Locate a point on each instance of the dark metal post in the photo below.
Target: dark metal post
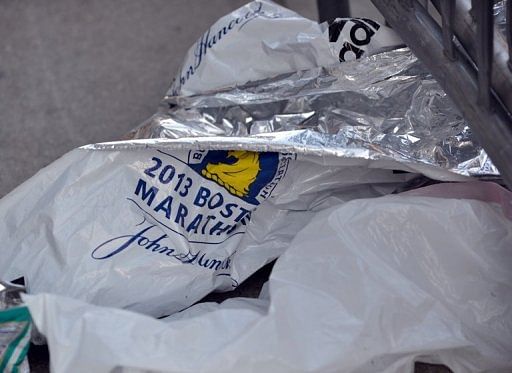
{"x": 330, "y": 9}
{"x": 482, "y": 10}
{"x": 447, "y": 7}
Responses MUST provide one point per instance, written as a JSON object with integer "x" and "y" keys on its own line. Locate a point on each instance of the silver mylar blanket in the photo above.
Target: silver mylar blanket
{"x": 383, "y": 107}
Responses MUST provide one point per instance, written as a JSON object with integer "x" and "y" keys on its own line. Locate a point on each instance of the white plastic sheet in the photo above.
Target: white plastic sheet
{"x": 155, "y": 230}
{"x": 369, "y": 285}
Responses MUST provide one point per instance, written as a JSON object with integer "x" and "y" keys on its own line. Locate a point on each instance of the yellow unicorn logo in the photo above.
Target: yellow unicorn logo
{"x": 238, "y": 176}
{"x": 242, "y": 173}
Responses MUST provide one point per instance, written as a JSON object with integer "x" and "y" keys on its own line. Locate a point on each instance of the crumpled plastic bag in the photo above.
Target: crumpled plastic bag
{"x": 369, "y": 285}
{"x": 248, "y": 44}
{"x": 155, "y": 230}
{"x": 154, "y": 227}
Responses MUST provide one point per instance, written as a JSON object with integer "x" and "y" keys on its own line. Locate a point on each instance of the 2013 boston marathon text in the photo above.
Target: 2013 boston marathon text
{"x": 169, "y": 206}
{"x": 176, "y": 200}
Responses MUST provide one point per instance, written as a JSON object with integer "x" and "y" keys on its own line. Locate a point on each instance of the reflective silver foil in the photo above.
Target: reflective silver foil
{"x": 383, "y": 107}
{"x": 500, "y": 16}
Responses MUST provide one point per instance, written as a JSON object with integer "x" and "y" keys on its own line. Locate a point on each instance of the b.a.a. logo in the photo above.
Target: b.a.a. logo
{"x": 245, "y": 174}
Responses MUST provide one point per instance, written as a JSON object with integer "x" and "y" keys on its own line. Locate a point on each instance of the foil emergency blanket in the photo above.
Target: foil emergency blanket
{"x": 383, "y": 107}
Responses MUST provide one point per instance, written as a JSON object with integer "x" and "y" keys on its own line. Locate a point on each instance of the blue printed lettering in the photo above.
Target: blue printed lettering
{"x": 181, "y": 214}
{"x": 206, "y": 42}
{"x": 194, "y": 224}
{"x": 219, "y": 202}
{"x": 208, "y": 218}
{"x": 165, "y": 206}
{"x": 142, "y": 191}
{"x": 218, "y": 228}
{"x": 228, "y": 210}
{"x": 243, "y": 213}
{"x": 202, "y": 196}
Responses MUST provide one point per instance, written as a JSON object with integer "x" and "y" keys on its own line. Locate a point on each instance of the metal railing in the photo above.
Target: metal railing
{"x": 459, "y": 43}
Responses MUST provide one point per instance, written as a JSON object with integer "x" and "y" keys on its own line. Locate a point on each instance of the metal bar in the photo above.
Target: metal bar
{"x": 509, "y": 32}
{"x": 484, "y": 37}
{"x": 447, "y": 8}
{"x": 464, "y": 28}
{"x": 424, "y": 36}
